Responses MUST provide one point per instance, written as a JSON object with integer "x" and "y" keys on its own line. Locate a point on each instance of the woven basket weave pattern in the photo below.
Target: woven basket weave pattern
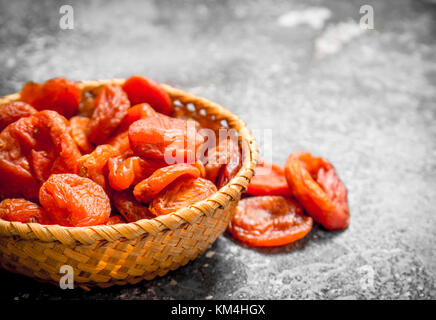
{"x": 131, "y": 252}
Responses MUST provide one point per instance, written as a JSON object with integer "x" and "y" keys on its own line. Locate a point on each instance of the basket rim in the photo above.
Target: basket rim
{"x": 128, "y": 231}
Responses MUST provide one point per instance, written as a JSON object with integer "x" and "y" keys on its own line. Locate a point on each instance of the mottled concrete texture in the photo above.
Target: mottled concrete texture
{"x": 363, "y": 99}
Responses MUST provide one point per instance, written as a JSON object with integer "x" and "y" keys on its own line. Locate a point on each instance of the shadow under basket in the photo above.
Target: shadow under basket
{"x": 128, "y": 253}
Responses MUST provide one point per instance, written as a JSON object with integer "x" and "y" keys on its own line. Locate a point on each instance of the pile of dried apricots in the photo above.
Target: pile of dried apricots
{"x": 273, "y": 214}
{"x": 99, "y": 157}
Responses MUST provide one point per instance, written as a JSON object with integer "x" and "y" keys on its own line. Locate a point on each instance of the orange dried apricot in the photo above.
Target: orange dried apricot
{"x": 215, "y": 160}
{"x": 94, "y": 165}
{"x": 165, "y": 138}
{"x": 135, "y": 113}
{"x": 200, "y": 166}
{"x": 128, "y": 207}
{"x": 148, "y": 189}
{"x": 233, "y": 164}
{"x": 266, "y": 221}
{"x": 31, "y": 149}
{"x": 180, "y": 194}
{"x": 125, "y": 170}
{"x": 22, "y": 210}
{"x": 13, "y": 111}
{"x": 120, "y": 139}
{"x": 120, "y": 142}
{"x": 78, "y": 125}
{"x": 316, "y": 186}
{"x": 269, "y": 180}
{"x": 58, "y": 94}
{"x": 140, "y": 90}
{"x": 110, "y": 107}
{"x": 74, "y": 201}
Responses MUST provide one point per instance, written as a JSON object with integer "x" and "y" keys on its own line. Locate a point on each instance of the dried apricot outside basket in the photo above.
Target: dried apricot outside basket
{"x": 128, "y": 253}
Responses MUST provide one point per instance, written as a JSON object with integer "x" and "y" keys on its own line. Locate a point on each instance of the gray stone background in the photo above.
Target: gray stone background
{"x": 365, "y": 100}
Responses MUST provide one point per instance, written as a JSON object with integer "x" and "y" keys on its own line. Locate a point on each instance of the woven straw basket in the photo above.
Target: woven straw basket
{"x": 128, "y": 253}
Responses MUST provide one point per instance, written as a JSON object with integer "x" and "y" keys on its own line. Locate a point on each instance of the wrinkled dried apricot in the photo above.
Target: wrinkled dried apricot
{"x": 56, "y": 94}
{"x": 148, "y": 189}
{"x": 180, "y": 194}
{"x": 13, "y": 111}
{"x": 94, "y": 165}
{"x": 125, "y": 170}
{"x": 214, "y": 161}
{"x": 128, "y": 207}
{"x": 140, "y": 90}
{"x": 120, "y": 142}
{"x": 269, "y": 180}
{"x": 78, "y": 125}
{"x": 316, "y": 186}
{"x": 267, "y": 221}
{"x": 31, "y": 149}
{"x": 135, "y": 113}
{"x": 74, "y": 201}
{"x": 22, "y": 210}
{"x": 232, "y": 166}
{"x": 200, "y": 166}
{"x": 110, "y": 107}
{"x": 122, "y": 171}
{"x": 218, "y": 157}
{"x": 164, "y": 138}
{"x": 120, "y": 139}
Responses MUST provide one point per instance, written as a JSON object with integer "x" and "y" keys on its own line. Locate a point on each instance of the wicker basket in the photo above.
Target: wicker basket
{"x": 128, "y": 253}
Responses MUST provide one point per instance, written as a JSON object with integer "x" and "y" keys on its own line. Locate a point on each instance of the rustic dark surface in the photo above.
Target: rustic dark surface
{"x": 366, "y": 100}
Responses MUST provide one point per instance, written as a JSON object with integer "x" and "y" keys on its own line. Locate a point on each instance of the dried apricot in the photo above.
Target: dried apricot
{"x": 122, "y": 171}
{"x": 316, "y": 186}
{"x": 267, "y": 221}
{"x": 22, "y": 210}
{"x": 56, "y": 94}
{"x": 94, "y": 165}
{"x": 148, "y": 189}
{"x": 78, "y": 125}
{"x": 125, "y": 170}
{"x": 110, "y": 107}
{"x": 164, "y": 138}
{"x": 220, "y": 156}
{"x": 13, "y": 111}
{"x": 135, "y": 113}
{"x": 200, "y": 166}
{"x": 120, "y": 142}
{"x": 120, "y": 139}
{"x": 128, "y": 207}
{"x": 181, "y": 193}
{"x": 74, "y": 201}
{"x": 232, "y": 166}
{"x": 140, "y": 90}
{"x": 269, "y": 180}
{"x": 215, "y": 160}
{"x": 31, "y": 149}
